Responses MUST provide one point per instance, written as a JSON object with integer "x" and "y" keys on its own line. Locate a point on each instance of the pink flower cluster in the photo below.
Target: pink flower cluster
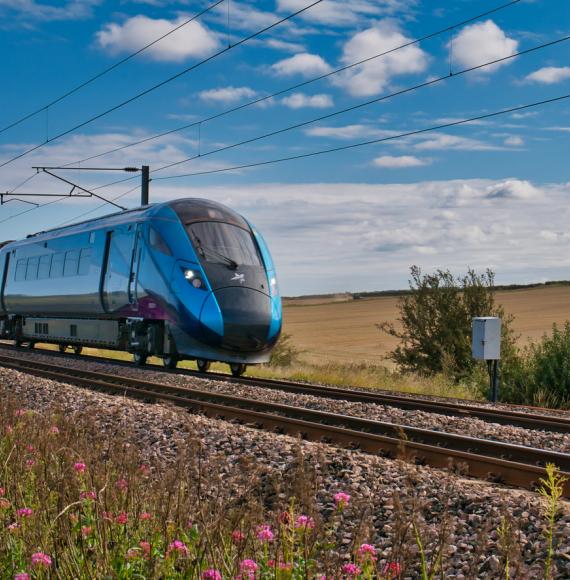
{"x": 122, "y": 484}
{"x": 41, "y": 560}
{"x": 351, "y": 570}
{"x": 79, "y": 467}
{"x": 122, "y": 518}
{"x": 211, "y": 574}
{"x": 88, "y": 495}
{"x": 304, "y": 523}
{"x": 367, "y": 552}
{"x": 24, "y": 512}
{"x": 264, "y": 533}
{"x": 248, "y": 568}
{"x": 392, "y": 569}
{"x": 179, "y": 547}
{"x": 237, "y": 537}
{"x": 54, "y": 430}
{"x": 22, "y": 576}
{"x": 341, "y": 499}
{"x": 145, "y": 516}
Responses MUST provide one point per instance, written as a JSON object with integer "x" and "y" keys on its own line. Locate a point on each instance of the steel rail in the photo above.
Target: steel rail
{"x": 490, "y": 460}
{"x": 536, "y": 421}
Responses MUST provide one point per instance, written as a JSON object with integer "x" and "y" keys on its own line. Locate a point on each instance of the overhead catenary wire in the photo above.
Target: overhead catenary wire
{"x": 371, "y": 141}
{"x": 400, "y": 92}
{"x": 161, "y": 83}
{"x": 297, "y": 85}
{"x": 105, "y": 71}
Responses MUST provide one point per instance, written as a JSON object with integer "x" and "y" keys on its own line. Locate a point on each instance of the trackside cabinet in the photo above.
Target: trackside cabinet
{"x": 486, "y": 345}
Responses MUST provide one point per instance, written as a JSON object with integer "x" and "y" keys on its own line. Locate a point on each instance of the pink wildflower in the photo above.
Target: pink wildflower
{"x": 79, "y": 467}
{"x": 86, "y": 531}
{"x": 22, "y": 576}
{"x": 145, "y": 516}
{"x": 24, "y": 512}
{"x": 30, "y": 462}
{"x": 211, "y": 574}
{"x": 20, "y": 412}
{"x": 351, "y": 570}
{"x": 88, "y": 495}
{"x": 40, "y": 559}
{"x": 13, "y": 527}
{"x": 264, "y": 533}
{"x": 367, "y": 551}
{"x": 54, "y": 430}
{"x": 145, "y": 547}
{"x": 305, "y": 522}
{"x": 122, "y": 484}
{"x": 144, "y": 470}
{"x": 392, "y": 569}
{"x": 177, "y": 546}
{"x": 122, "y": 518}
{"x": 238, "y": 537}
{"x": 248, "y": 567}
{"x": 30, "y": 448}
{"x": 341, "y": 499}
{"x": 2, "y": 491}
{"x": 285, "y": 566}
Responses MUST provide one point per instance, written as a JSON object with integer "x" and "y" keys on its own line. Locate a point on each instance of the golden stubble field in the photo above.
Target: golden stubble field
{"x": 344, "y": 330}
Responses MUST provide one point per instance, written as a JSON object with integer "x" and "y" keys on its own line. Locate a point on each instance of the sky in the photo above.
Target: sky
{"x": 491, "y": 193}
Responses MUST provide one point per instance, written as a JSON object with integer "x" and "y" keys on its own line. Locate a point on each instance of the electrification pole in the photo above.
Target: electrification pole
{"x": 145, "y": 181}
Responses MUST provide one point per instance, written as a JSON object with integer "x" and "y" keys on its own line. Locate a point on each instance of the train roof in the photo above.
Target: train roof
{"x": 187, "y": 209}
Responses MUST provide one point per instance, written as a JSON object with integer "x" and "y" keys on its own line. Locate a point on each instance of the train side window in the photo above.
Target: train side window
{"x": 32, "y": 269}
{"x": 157, "y": 242}
{"x": 84, "y": 261}
{"x": 92, "y": 238}
{"x": 20, "y": 270}
{"x": 71, "y": 263}
{"x": 56, "y": 270}
{"x": 43, "y": 270}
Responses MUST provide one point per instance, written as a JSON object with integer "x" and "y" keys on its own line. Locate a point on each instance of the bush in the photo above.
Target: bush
{"x": 284, "y": 354}
{"x": 436, "y": 322}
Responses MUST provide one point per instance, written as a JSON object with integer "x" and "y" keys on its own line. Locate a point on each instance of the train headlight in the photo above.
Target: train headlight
{"x": 194, "y": 278}
{"x": 189, "y": 274}
{"x": 273, "y": 285}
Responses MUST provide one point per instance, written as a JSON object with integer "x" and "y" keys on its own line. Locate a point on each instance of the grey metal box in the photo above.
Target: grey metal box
{"x": 486, "y": 338}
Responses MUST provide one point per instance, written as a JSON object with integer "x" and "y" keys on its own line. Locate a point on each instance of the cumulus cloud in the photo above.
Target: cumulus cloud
{"x": 513, "y": 189}
{"x": 284, "y": 45}
{"x": 374, "y": 76}
{"x": 300, "y": 101}
{"x": 446, "y": 141}
{"x": 304, "y": 64}
{"x": 30, "y": 10}
{"x": 398, "y": 162}
{"x": 349, "y": 132}
{"x": 227, "y": 94}
{"x": 194, "y": 39}
{"x": 480, "y": 43}
{"x": 549, "y": 75}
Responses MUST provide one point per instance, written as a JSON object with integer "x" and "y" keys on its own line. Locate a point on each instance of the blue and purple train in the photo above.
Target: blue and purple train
{"x": 188, "y": 279}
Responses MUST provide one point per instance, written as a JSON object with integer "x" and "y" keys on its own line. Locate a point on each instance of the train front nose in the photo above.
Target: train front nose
{"x": 245, "y": 317}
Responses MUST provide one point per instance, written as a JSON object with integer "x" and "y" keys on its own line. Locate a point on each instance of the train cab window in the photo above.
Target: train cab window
{"x": 43, "y": 269}
{"x": 157, "y": 242}
{"x": 20, "y": 270}
{"x": 32, "y": 268}
{"x": 92, "y": 238}
{"x": 84, "y": 261}
{"x": 56, "y": 270}
{"x": 71, "y": 265}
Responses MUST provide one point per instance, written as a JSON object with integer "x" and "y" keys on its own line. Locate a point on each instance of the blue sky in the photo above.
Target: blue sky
{"x": 488, "y": 194}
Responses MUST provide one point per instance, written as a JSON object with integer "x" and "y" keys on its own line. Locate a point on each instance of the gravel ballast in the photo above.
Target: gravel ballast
{"x": 158, "y": 430}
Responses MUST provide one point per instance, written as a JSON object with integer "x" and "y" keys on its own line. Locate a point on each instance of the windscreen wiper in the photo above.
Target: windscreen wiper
{"x": 198, "y": 243}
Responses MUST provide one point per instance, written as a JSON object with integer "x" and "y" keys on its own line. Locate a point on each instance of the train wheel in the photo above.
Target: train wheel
{"x": 237, "y": 369}
{"x": 203, "y": 365}
{"x": 18, "y": 343}
{"x": 139, "y": 358}
{"x": 170, "y": 361}
{"x": 78, "y": 349}
{"x": 62, "y": 347}
{"x": 31, "y": 345}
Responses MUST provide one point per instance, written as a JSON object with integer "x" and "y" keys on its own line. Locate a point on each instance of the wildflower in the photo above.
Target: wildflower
{"x": 392, "y": 569}
{"x": 122, "y": 484}
{"x": 79, "y": 467}
{"x": 177, "y": 546}
{"x": 22, "y": 576}
{"x": 88, "y": 495}
{"x": 122, "y": 518}
{"x": 30, "y": 462}
{"x": 341, "y": 500}
{"x": 54, "y": 430}
{"x": 145, "y": 547}
{"x": 40, "y": 559}
{"x": 144, "y": 470}
{"x": 285, "y": 566}
{"x": 86, "y": 531}
{"x": 237, "y": 537}
{"x": 20, "y": 412}
{"x": 367, "y": 551}
{"x": 211, "y": 574}
{"x": 264, "y": 533}
{"x": 9, "y": 430}
{"x": 13, "y": 527}
{"x": 248, "y": 567}
{"x": 31, "y": 449}
{"x": 24, "y": 512}
{"x": 145, "y": 516}
{"x": 351, "y": 570}
{"x": 2, "y": 491}
{"x": 305, "y": 522}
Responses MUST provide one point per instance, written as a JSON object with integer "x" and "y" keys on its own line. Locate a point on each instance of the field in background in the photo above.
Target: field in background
{"x": 341, "y": 329}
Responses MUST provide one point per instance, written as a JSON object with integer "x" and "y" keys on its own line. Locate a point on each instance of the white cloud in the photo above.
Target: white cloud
{"x": 374, "y": 76}
{"x": 304, "y": 64}
{"x": 549, "y": 75}
{"x": 389, "y": 161}
{"x": 446, "y": 141}
{"x": 480, "y": 43}
{"x": 194, "y": 39}
{"x": 300, "y": 101}
{"x": 284, "y": 45}
{"x": 227, "y": 94}
{"x": 514, "y": 141}
{"x": 513, "y": 189}
{"x": 349, "y": 132}
{"x": 30, "y": 10}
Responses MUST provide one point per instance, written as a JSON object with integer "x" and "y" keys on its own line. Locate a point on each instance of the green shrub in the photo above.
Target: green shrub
{"x": 284, "y": 353}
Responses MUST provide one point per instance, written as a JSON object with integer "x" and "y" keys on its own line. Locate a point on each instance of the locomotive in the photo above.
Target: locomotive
{"x": 188, "y": 279}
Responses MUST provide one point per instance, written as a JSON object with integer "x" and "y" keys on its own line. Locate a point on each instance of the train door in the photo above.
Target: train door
{"x": 4, "y": 265}
{"x": 135, "y": 265}
{"x": 117, "y": 282}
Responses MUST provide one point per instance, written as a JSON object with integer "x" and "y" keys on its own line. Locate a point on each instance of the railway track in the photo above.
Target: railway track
{"x": 525, "y": 419}
{"x": 485, "y": 459}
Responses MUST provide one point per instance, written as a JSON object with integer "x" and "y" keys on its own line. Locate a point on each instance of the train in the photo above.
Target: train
{"x": 188, "y": 279}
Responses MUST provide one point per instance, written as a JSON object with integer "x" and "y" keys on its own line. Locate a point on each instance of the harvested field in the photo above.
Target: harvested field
{"x": 344, "y": 329}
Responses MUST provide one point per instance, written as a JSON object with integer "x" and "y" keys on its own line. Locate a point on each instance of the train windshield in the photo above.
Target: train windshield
{"x": 224, "y": 243}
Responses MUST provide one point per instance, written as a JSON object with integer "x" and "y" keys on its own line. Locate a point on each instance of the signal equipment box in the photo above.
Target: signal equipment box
{"x": 486, "y": 338}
